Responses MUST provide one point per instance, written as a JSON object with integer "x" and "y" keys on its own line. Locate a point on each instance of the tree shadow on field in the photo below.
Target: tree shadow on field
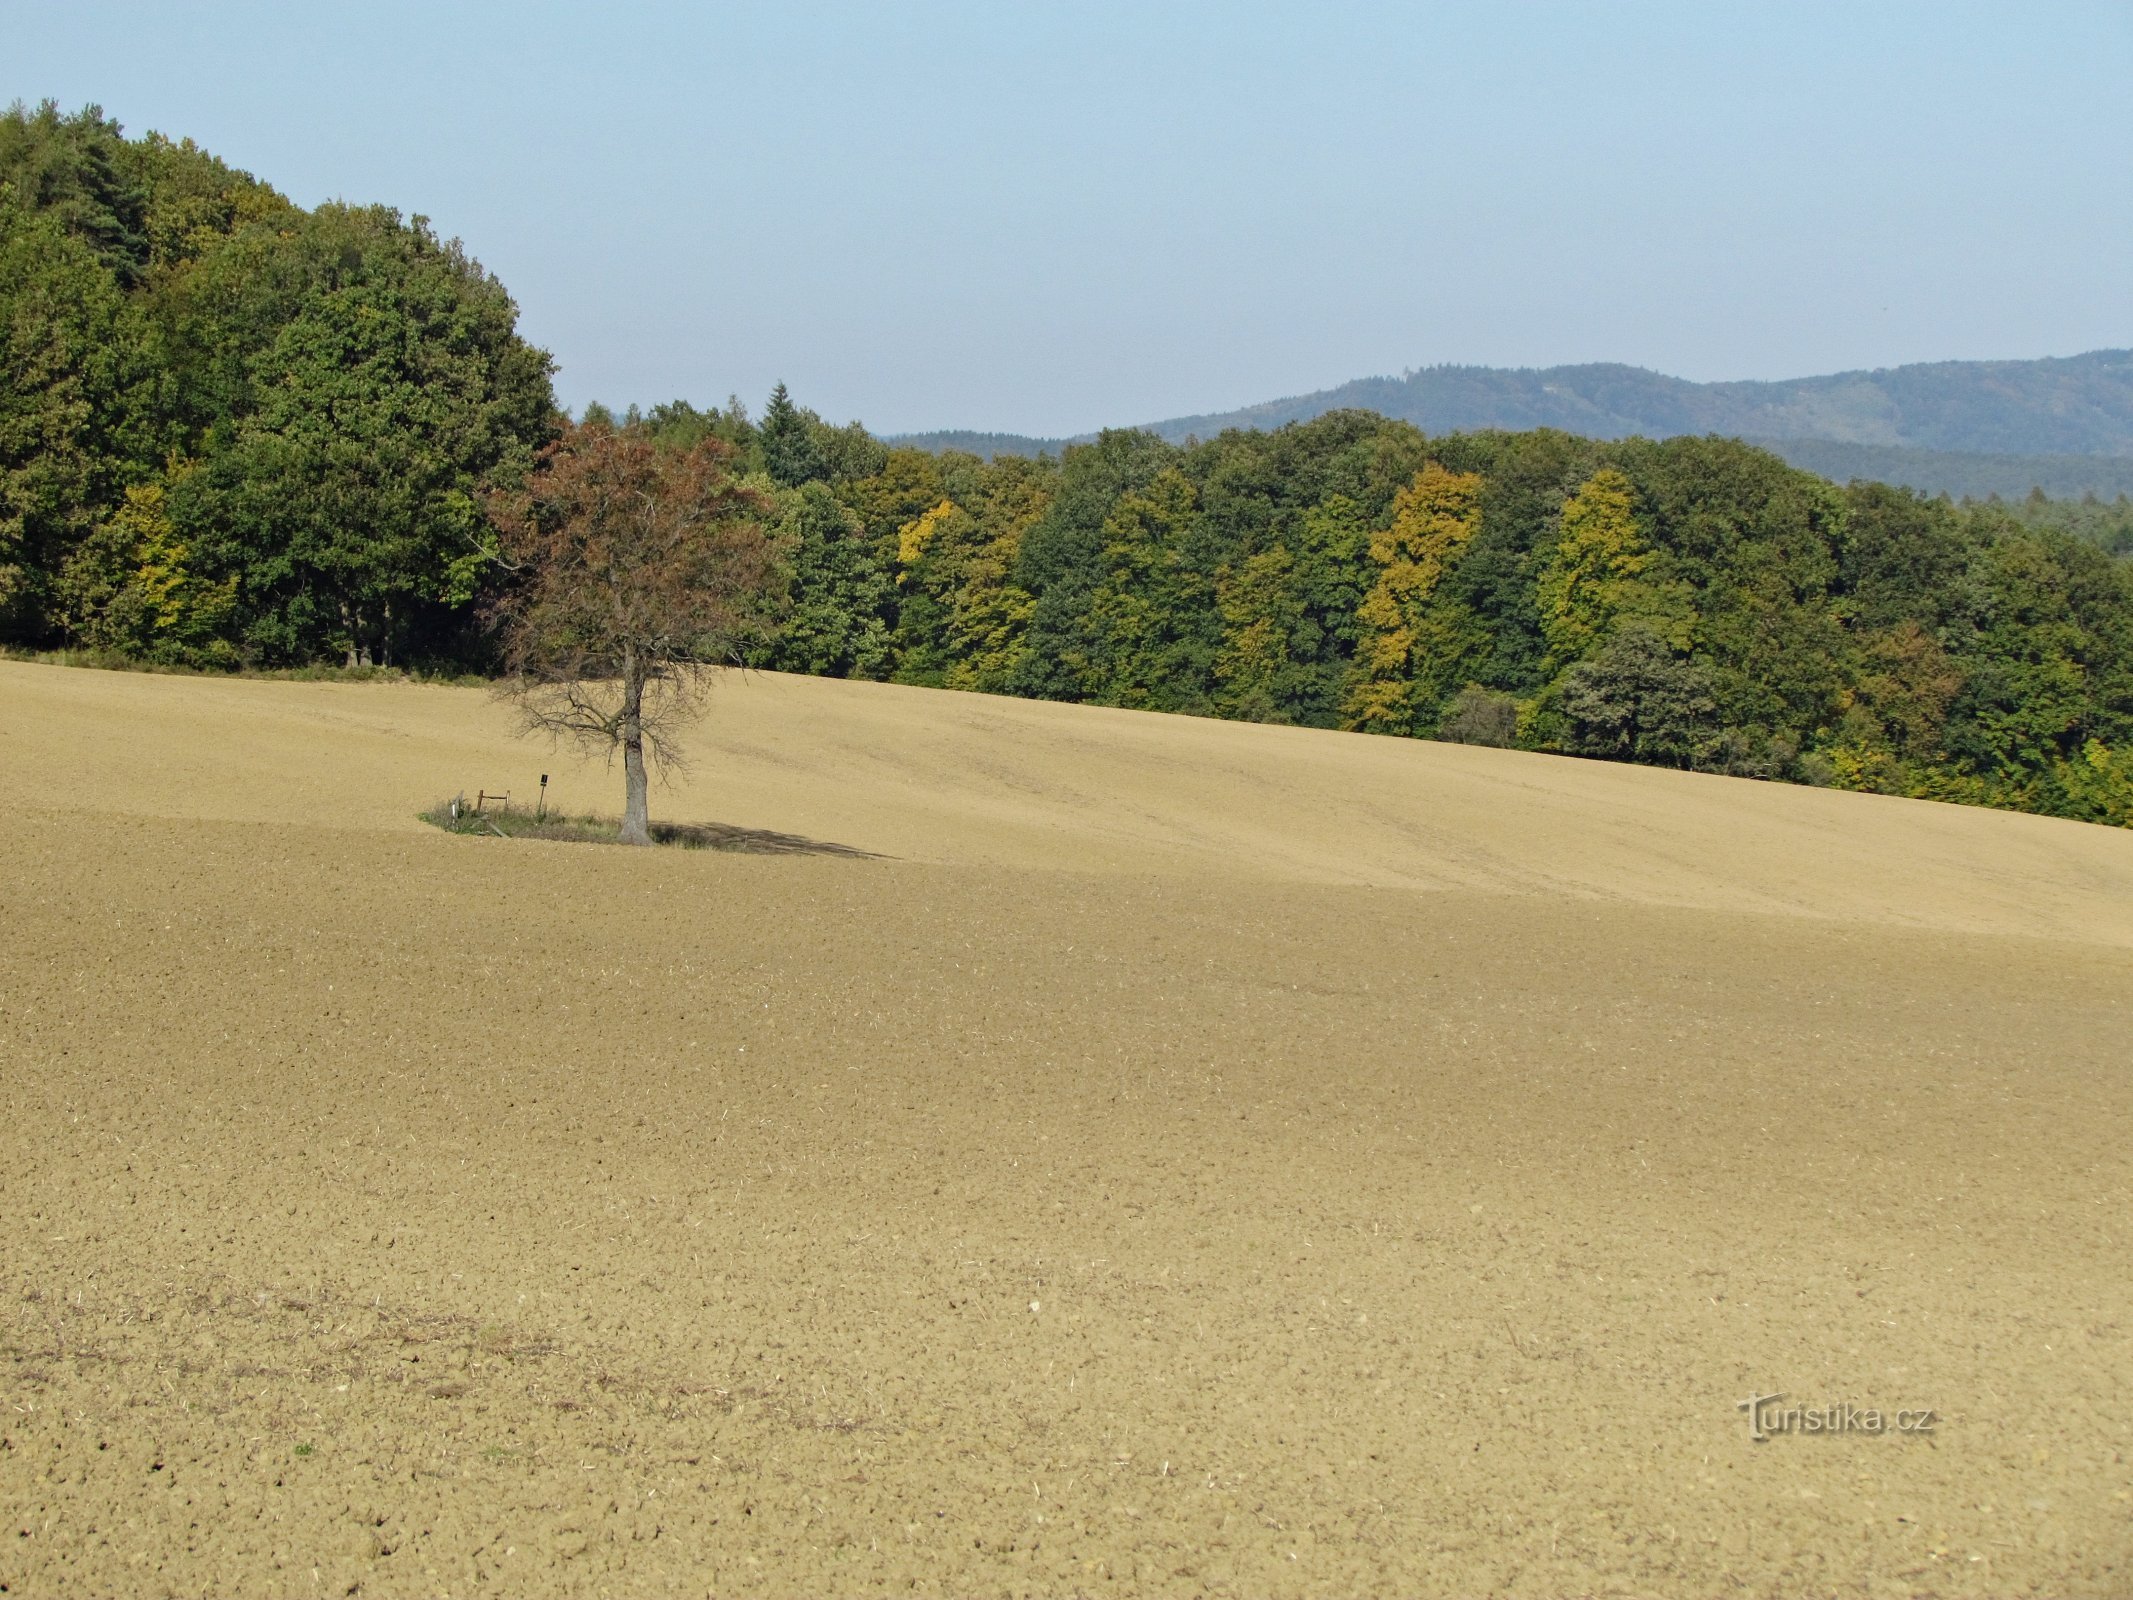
{"x": 752, "y": 841}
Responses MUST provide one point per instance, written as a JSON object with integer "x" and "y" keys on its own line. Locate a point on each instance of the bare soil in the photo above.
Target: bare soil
{"x": 1174, "y": 1158}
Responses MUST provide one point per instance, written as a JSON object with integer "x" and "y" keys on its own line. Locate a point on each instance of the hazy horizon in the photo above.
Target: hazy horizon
{"x": 1403, "y": 374}
{"x": 1046, "y": 223}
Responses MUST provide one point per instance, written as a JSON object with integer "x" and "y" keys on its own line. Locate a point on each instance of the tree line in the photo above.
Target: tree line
{"x": 233, "y": 431}
{"x": 236, "y": 432}
{"x": 1691, "y": 602}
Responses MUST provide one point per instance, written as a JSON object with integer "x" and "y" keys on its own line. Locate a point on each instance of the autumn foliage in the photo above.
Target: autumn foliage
{"x": 635, "y": 570}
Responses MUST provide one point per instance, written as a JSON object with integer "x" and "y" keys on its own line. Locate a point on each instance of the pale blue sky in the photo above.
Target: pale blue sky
{"x": 1045, "y": 218}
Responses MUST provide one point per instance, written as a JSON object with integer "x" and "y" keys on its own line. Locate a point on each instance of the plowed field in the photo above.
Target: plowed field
{"x": 1150, "y": 1156}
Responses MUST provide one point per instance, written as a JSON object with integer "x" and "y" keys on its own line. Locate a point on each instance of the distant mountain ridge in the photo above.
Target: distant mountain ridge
{"x": 2064, "y": 423}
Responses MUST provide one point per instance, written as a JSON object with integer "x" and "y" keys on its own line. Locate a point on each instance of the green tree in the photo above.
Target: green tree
{"x": 347, "y": 500}
{"x": 678, "y": 425}
{"x": 1154, "y": 630}
{"x": 1480, "y": 716}
{"x": 837, "y": 623}
{"x": 1263, "y": 616}
{"x": 76, "y": 169}
{"x": 1900, "y": 558}
{"x": 1754, "y": 542}
{"x": 1332, "y": 574}
{"x": 2096, "y": 785}
{"x": 1064, "y": 561}
{"x": 787, "y": 439}
{"x": 1637, "y": 700}
{"x": 75, "y": 407}
{"x": 2043, "y": 634}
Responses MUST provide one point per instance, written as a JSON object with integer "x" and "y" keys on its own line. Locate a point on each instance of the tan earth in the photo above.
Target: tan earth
{"x": 1182, "y": 1158}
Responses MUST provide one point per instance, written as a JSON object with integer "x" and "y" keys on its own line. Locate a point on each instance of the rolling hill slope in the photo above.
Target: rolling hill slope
{"x": 983, "y": 782}
{"x": 1185, "y": 1157}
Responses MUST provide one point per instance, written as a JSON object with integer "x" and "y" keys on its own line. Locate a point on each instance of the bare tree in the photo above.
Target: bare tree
{"x": 634, "y": 570}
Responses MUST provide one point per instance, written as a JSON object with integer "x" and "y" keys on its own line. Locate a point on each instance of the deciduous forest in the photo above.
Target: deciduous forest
{"x": 237, "y": 433}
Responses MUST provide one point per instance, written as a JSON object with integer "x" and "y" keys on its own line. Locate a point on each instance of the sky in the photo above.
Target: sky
{"x": 1047, "y": 218}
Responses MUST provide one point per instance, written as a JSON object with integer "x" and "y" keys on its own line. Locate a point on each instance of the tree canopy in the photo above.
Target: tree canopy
{"x": 234, "y": 432}
{"x": 313, "y": 402}
{"x": 1692, "y": 602}
{"x": 632, "y": 569}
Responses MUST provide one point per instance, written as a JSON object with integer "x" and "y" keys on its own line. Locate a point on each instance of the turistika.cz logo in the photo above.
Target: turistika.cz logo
{"x": 1769, "y": 1416}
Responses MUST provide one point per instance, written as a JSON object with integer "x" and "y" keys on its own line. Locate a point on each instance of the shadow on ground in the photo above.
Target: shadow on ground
{"x": 752, "y": 841}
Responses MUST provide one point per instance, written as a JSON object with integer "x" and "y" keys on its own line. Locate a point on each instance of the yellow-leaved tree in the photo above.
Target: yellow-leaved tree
{"x": 1434, "y": 519}
{"x": 131, "y": 586}
{"x": 1601, "y": 572}
{"x": 913, "y": 538}
{"x": 2099, "y": 785}
{"x": 961, "y": 617}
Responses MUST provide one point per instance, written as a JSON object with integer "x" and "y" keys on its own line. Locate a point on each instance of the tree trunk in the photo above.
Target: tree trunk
{"x": 636, "y": 821}
{"x": 636, "y": 818}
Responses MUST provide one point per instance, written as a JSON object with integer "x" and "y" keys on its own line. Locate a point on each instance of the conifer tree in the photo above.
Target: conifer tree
{"x": 790, "y": 454}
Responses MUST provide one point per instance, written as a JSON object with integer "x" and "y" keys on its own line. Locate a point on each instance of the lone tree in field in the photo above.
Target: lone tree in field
{"x": 634, "y": 568}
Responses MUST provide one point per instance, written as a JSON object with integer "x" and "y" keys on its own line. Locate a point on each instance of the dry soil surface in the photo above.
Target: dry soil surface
{"x": 1179, "y": 1158}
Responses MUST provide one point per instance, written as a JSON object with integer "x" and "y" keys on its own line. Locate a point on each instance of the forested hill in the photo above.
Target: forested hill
{"x": 233, "y": 430}
{"x": 2076, "y": 405}
{"x": 236, "y": 433}
{"x": 1959, "y": 427}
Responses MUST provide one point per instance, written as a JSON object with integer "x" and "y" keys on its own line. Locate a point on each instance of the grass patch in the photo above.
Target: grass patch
{"x": 317, "y": 672}
{"x": 459, "y": 816}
